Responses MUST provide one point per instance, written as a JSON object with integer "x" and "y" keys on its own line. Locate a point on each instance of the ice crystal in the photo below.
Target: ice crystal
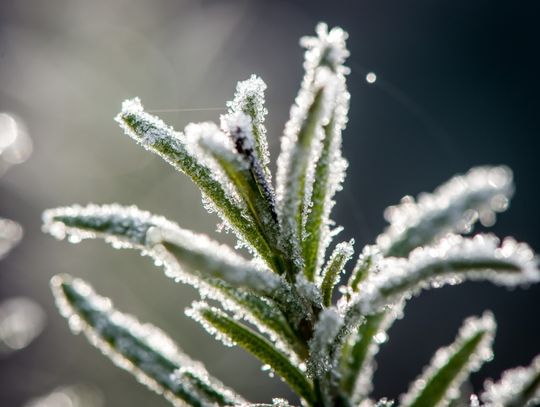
{"x": 280, "y": 305}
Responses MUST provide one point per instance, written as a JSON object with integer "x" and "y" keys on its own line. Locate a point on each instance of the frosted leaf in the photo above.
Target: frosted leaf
{"x": 232, "y": 162}
{"x": 172, "y": 146}
{"x": 10, "y": 234}
{"x": 323, "y": 351}
{"x": 249, "y": 99}
{"x": 450, "y": 261}
{"x": 451, "y": 366}
{"x": 301, "y": 143}
{"x": 21, "y": 321}
{"x": 518, "y": 387}
{"x": 328, "y": 48}
{"x": 141, "y": 349}
{"x": 231, "y": 332}
{"x": 358, "y": 355}
{"x": 238, "y": 126}
{"x": 321, "y": 345}
{"x": 453, "y": 207}
{"x": 366, "y": 265}
{"x": 329, "y": 175}
{"x": 129, "y": 227}
{"x": 197, "y": 312}
{"x": 199, "y": 253}
{"x": 335, "y": 266}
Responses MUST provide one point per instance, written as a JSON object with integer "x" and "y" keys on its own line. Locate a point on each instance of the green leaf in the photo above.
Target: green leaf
{"x": 451, "y": 366}
{"x": 230, "y": 330}
{"x": 329, "y": 174}
{"x": 249, "y": 99}
{"x": 261, "y": 312}
{"x": 452, "y": 260}
{"x": 453, "y": 207}
{"x": 243, "y": 171}
{"x": 296, "y": 161}
{"x": 141, "y": 349}
{"x": 518, "y": 387}
{"x": 155, "y": 136}
{"x": 363, "y": 267}
{"x": 357, "y": 357}
{"x": 129, "y": 227}
{"x": 341, "y": 255}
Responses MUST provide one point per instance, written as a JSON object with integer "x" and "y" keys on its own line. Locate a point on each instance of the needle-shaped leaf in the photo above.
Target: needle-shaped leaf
{"x": 129, "y": 227}
{"x": 453, "y": 207}
{"x": 157, "y": 137}
{"x": 331, "y": 273}
{"x": 232, "y": 332}
{"x": 141, "y": 349}
{"x": 451, "y": 366}
{"x": 452, "y": 260}
{"x": 301, "y": 143}
{"x": 518, "y": 387}
{"x": 358, "y": 353}
{"x": 365, "y": 264}
{"x": 249, "y": 99}
{"x": 329, "y": 175}
{"x": 231, "y": 157}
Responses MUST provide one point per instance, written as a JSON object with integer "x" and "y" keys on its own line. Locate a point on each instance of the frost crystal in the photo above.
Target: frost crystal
{"x": 469, "y": 351}
{"x": 453, "y": 207}
{"x": 141, "y": 349}
{"x": 517, "y": 387}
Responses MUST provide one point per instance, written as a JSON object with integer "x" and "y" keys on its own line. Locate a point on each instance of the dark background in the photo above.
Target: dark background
{"x": 457, "y": 86}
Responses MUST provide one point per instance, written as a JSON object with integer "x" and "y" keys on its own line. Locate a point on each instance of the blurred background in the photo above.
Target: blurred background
{"x": 456, "y": 86}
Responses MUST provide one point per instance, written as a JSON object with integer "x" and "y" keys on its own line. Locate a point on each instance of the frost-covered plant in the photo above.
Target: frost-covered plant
{"x": 280, "y": 305}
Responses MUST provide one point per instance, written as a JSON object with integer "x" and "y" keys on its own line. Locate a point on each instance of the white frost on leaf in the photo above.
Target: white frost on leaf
{"x": 450, "y": 261}
{"x": 472, "y": 327}
{"x": 249, "y": 99}
{"x": 174, "y": 147}
{"x": 141, "y": 349}
{"x": 321, "y": 347}
{"x": 517, "y": 387}
{"x": 129, "y": 227}
{"x": 301, "y": 143}
{"x": 453, "y": 207}
{"x": 196, "y": 312}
